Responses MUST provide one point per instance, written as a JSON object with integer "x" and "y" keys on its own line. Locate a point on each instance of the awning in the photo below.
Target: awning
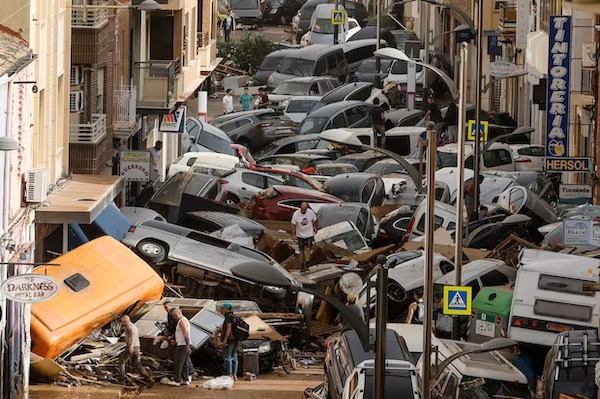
{"x": 80, "y": 199}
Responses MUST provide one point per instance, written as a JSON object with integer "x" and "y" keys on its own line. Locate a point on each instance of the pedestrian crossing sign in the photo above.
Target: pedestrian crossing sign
{"x": 457, "y": 301}
{"x": 338, "y": 17}
{"x": 483, "y": 129}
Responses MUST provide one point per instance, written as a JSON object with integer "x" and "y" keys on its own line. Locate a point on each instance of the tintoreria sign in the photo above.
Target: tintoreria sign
{"x": 30, "y": 288}
{"x": 559, "y": 62}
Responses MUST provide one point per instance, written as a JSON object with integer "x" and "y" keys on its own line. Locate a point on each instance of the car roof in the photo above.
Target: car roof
{"x": 303, "y": 192}
{"x": 308, "y": 79}
{"x": 343, "y": 91}
{"x": 229, "y": 117}
{"x": 282, "y": 53}
{"x": 331, "y": 109}
{"x": 208, "y": 128}
{"x": 312, "y": 52}
{"x": 472, "y": 270}
{"x": 224, "y": 218}
{"x": 295, "y": 139}
{"x": 297, "y": 156}
{"x": 395, "y": 347}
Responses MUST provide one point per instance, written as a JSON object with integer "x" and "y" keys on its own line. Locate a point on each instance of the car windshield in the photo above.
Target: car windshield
{"x": 351, "y": 240}
{"x": 493, "y": 389}
{"x": 292, "y": 88}
{"x": 300, "y": 106}
{"x": 400, "y": 68}
{"x": 190, "y": 183}
{"x": 243, "y": 4}
{"x": 324, "y": 26}
{"x": 337, "y": 214}
{"x": 447, "y": 159}
{"x": 313, "y": 125}
{"x": 397, "y": 384}
{"x": 270, "y": 63}
{"x": 296, "y": 66}
{"x": 384, "y": 168}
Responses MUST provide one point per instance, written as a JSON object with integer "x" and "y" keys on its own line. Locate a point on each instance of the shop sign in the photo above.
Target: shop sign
{"x": 30, "y": 288}
{"x": 134, "y": 165}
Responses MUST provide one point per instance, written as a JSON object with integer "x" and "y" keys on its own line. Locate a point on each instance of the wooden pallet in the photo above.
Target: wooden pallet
{"x": 229, "y": 70}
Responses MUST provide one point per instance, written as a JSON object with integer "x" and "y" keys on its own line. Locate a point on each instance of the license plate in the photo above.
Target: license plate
{"x": 485, "y": 328}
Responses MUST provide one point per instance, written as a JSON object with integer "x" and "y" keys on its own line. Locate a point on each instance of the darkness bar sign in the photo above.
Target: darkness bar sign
{"x": 559, "y": 63}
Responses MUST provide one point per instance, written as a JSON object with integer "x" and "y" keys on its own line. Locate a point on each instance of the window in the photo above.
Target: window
{"x": 475, "y": 288}
{"x": 229, "y": 127}
{"x": 273, "y": 182}
{"x": 450, "y": 389}
{"x": 255, "y": 180}
{"x": 362, "y": 94}
{"x": 331, "y": 62}
{"x": 494, "y": 278}
{"x": 437, "y": 222}
{"x": 563, "y": 284}
{"x": 367, "y": 191}
{"x": 77, "y": 282}
{"x": 352, "y": 24}
{"x": 321, "y": 67}
{"x": 401, "y": 224}
{"x": 324, "y": 87}
{"x": 562, "y": 310}
{"x": 191, "y": 161}
{"x": 339, "y": 121}
{"x": 306, "y": 145}
{"x": 354, "y": 115}
{"x": 314, "y": 90}
{"x": 492, "y": 158}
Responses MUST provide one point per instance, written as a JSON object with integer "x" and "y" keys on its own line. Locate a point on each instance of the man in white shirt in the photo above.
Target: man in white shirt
{"x": 228, "y": 26}
{"x": 304, "y": 228}
{"x": 155, "y": 153}
{"x": 132, "y": 352}
{"x": 228, "y": 102}
{"x": 182, "y": 350}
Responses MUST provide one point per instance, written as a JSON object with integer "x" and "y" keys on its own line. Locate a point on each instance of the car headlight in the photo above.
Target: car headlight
{"x": 265, "y": 347}
{"x": 284, "y": 103}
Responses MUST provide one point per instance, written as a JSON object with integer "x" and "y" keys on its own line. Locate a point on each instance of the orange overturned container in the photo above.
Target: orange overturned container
{"x": 98, "y": 281}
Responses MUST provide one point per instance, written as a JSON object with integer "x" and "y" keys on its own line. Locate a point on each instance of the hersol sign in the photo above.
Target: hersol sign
{"x": 30, "y": 288}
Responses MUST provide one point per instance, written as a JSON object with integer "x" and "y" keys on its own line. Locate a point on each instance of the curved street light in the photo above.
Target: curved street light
{"x": 463, "y": 15}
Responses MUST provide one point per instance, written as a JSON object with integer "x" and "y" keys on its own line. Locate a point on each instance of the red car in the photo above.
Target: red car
{"x": 280, "y": 202}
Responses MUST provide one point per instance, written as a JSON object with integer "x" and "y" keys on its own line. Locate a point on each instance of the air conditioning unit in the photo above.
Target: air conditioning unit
{"x": 589, "y": 55}
{"x": 76, "y": 101}
{"x": 37, "y": 185}
{"x": 76, "y": 75}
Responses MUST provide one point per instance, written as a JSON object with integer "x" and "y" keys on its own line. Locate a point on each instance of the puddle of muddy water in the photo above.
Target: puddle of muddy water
{"x": 71, "y": 393}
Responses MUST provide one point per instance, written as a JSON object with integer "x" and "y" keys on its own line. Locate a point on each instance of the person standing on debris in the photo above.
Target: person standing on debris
{"x": 378, "y": 123}
{"x": 228, "y": 26}
{"x": 155, "y": 154}
{"x": 246, "y": 100}
{"x": 451, "y": 121}
{"x": 228, "y": 102}
{"x": 183, "y": 350}
{"x": 228, "y": 341}
{"x": 170, "y": 330}
{"x": 434, "y": 115}
{"x": 416, "y": 310}
{"x": 304, "y": 228}
{"x": 132, "y": 351}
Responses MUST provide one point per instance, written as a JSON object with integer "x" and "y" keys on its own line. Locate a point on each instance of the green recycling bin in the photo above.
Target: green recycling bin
{"x": 490, "y": 314}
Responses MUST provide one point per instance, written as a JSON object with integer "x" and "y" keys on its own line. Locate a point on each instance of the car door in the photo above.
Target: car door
{"x": 339, "y": 121}
{"x": 252, "y": 183}
{"x": 354, "y": 115}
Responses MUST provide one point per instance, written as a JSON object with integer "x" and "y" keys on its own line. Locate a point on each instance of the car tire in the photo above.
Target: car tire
{"x": 232, "y": 199}
{"x": 152, "y": 251}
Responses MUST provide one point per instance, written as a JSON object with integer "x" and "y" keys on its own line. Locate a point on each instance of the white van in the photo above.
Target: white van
{"x": 498, "y": 157}
{"x": 549, "y": 297}
{"x": 476, "y": 375}
{"x": 321, "y": 30}
{"x": 400, "y": 140}
{"x": 445, "y": 216}
{"x": 215, "y": 164}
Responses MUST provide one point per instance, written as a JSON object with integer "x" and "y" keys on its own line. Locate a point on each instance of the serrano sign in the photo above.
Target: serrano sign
{"x": 30, "y": 288}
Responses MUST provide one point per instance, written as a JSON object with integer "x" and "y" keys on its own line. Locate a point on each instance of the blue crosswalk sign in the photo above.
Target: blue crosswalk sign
{"x": 457, "y": 301}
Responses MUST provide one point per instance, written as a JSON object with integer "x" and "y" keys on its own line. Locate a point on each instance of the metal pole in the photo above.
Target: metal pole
{"x": 378, "y": 38}
{"x": 428, "y": 283}
{"x": 380, "y": 333}
{"x": 460, "y": 176}
{"x": 336, "y": 27}
{"x": 478, "y": 94}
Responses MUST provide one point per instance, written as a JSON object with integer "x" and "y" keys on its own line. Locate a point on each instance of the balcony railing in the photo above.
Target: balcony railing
{"x": 94, "y": 17}
{"x": 203, "y": 39}
{"x": 88, "y": 133}
{"x": 155, "y": 83}
{"x": 125, "y": 108}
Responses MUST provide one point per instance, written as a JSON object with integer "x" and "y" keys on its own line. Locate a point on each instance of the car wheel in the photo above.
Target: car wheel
{"x": 152, "y": 251}
{"x": 396, "y": 293}
{"x": 232, "y": 200}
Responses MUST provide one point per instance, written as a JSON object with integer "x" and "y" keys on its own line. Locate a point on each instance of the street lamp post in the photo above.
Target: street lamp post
{"x": 478, "y": 94}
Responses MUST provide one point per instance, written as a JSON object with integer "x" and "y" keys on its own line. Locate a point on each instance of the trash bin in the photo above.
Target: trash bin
{"x": 490, "y": 314}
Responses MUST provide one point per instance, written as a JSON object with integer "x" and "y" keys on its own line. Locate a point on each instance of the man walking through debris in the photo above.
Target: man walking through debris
{"x": 171, "y": 325}
{"x": 183, "y": 350}
{"x": 304, "y": 228}
{"x": 132, "y": 352}
{"x": 228, "y": 341}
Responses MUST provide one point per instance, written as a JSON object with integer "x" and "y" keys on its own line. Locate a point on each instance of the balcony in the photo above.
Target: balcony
{"x": 589, "y": 82}
{"x": 155, "y": 82}
{"x": 125, "y": 108}
{"x": 88, "y": 133}
{"x": 92, "y": 18}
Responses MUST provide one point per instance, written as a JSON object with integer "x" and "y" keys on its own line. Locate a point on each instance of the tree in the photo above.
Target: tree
{"x": 248, "y": 52}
